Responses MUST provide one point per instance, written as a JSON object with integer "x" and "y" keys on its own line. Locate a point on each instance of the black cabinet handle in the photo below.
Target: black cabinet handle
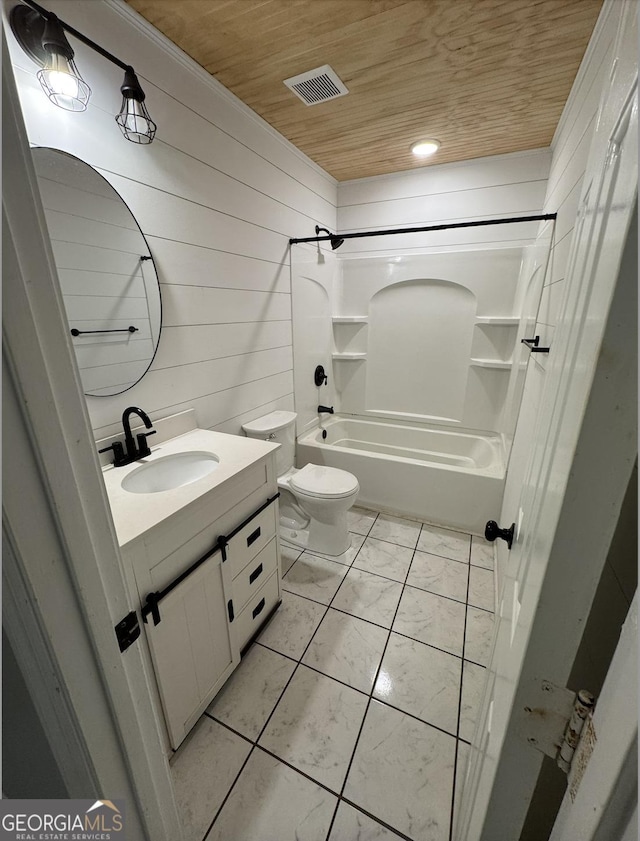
{"x": 255, "y": 574}
{"x": 253, "y": 536}
{"x": 258, "y": 608}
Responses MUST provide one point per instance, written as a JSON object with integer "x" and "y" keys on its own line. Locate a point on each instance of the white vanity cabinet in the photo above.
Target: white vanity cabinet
{"x": 205, "y": 578}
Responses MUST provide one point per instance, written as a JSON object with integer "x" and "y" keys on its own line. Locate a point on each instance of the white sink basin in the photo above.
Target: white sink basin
{"x": 169, "y": 472}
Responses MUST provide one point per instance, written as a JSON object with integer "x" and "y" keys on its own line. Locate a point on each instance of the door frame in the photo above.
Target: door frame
{"x": 67, "y": 589}
{"x": 603, "y": 803}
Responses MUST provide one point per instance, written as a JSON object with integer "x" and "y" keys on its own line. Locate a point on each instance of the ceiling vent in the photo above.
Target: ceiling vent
{"x": 317, "y": 85}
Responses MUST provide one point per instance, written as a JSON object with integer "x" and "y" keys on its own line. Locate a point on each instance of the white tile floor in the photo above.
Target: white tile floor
{"x": 349, "y": 719}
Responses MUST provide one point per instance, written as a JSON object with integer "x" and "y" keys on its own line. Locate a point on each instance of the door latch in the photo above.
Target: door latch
{"x": 127, "y": 630}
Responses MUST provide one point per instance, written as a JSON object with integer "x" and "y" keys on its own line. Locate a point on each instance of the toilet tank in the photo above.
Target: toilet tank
{"x": 281, "y": 428}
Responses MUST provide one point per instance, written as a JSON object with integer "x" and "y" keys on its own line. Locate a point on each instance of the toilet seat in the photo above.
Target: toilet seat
{"x": 324, "y": 482}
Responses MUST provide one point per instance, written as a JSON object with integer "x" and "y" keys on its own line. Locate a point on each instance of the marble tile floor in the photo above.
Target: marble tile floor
{"x": 350, "y": 718}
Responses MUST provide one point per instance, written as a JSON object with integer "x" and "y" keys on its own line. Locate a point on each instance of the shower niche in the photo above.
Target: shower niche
{"x": 350, "y": 337}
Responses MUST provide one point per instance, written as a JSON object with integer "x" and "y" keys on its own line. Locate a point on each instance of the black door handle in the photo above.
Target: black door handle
{"x": 534, "y": 346}
{"x": 493, "y": 530}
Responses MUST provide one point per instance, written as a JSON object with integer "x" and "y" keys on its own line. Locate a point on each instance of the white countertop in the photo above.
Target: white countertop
{"x": 135, "y": 513}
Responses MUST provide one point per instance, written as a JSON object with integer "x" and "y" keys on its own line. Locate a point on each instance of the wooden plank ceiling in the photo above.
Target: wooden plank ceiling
{"x": 484, "y": 77}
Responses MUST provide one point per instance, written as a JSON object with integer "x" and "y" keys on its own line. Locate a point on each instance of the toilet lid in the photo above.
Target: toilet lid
{"x": 315, "y": 480}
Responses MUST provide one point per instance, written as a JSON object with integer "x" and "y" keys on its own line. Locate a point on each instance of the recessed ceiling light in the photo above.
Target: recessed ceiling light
{"x": 424, "y": 148}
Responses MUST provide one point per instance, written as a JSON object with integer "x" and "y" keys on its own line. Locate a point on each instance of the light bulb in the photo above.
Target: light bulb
{"x": 63, "y": 84}
{"x": 424, "y": 148}
{"x": 135, "y": 121}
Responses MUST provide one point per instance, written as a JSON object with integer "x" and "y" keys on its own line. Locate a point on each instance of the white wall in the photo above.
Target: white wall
{"x": 483, "y": 188}
{"x": 29, "y": 767}
{"x": 217, "y": 194}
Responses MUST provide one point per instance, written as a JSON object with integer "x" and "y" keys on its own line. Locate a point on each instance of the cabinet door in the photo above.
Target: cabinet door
{"x": 191, "y": 647}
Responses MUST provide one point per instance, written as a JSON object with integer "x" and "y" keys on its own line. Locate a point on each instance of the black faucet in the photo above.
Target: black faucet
{"x": 142, "y": 449}
{"x": 327, "y": 409}
{"x": 133, "y": 451}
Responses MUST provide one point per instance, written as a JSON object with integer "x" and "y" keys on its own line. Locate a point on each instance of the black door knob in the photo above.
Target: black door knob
{"x": 492, "y": 531}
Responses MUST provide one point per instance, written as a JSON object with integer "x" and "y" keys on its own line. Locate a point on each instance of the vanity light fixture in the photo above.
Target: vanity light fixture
{"x": 60, "y": 78}
{"x": 425, "y": 148}
{"x": 44, "y": 41}
{"x": 133, "y": 119}
{"x": 41, "y": 34}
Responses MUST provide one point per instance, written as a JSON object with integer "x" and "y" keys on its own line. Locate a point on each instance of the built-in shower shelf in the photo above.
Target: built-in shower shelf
{"x": 497, "y": 364}
{"x": 498, "y": 320}
{"x": 350, "y": 319}
{"x": 349, "y": 357}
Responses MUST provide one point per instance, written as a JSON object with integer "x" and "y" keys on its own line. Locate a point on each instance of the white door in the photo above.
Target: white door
{"x": 582, "y": 452}
{"x": 601, "y": 800}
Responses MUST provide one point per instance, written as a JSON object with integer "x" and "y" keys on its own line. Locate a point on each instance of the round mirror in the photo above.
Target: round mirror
{"x": 106, "y": 272}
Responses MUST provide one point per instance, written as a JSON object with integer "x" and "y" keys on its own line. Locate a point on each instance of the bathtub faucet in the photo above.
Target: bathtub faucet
{"x": 327, "y": 409}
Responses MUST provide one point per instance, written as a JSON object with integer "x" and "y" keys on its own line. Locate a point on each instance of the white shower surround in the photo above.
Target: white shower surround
{"x": 430, "y": 349}
{"x": 451, "y": 477}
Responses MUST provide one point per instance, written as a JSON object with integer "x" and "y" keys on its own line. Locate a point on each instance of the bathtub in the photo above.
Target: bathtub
{"x": 439, "y": 475}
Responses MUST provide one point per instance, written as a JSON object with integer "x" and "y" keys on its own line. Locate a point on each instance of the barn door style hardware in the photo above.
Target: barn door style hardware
{"x": 153, "y": 600}
{"x": 558, "y": 723}
{"x": 534, "y": 345}
{"x": 127, "y": 630}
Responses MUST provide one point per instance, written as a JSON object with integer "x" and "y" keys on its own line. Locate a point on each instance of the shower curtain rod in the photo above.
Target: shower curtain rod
{"x": 539, "y": 218}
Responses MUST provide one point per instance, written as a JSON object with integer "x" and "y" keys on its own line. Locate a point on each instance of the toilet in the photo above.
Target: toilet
{"x": 314, "y": 499}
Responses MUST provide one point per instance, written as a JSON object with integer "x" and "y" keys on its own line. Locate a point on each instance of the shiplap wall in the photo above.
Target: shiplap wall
{"x": 217, "y": 194}
{"x": 485, "y": 188}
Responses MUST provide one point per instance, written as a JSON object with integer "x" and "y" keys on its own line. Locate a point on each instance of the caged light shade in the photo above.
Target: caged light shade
{"x": 63, "y": 84}
{"x": 59, "y": 76}
{"x": 133, "y": 119}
